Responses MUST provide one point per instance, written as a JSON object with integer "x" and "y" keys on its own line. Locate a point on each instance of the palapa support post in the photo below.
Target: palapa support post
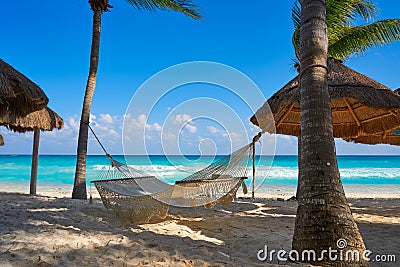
{"x": 1, "y": 140}
{"x": 44, "y": 119}
{"x": 254, "y": 171}
{"x": 90, "y": 194}
{"x": 35, "y": 160}
{"x": 255, "y": 139}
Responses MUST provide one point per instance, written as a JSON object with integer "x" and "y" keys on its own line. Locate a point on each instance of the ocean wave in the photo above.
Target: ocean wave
{"x": 284, "y": 173}
{"x": 391, "y": 173}
{"x": 99, "y": 167}
{"x": 345, "y": 173}
{"x": 158, "y": 170}
{"x": 277, "y": 172}
{"x": 9, "y": 166}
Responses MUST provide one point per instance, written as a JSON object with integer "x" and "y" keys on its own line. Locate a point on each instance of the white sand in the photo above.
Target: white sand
{"x": 265, "y": 191}
{"x": 56, "y": 231}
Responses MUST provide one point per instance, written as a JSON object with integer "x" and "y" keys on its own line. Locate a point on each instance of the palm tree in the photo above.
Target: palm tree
{"x": 98, "y": 7}
{"x": 345, "y": 39}
{"x": 323, "y": 215}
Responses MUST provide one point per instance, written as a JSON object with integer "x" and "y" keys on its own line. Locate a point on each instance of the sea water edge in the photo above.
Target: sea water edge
{"x": 362, "y": 176}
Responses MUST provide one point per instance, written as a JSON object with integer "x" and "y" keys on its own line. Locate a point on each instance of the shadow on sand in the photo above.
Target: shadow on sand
{"x": 45, "y": 231}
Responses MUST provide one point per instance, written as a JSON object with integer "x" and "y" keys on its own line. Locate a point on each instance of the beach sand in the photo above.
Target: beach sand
{"x": 58, "y": 231}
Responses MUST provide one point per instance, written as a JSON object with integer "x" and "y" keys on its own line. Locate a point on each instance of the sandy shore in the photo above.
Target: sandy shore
{"x": 267, "y": 191}
{"x": 58, "y": 231}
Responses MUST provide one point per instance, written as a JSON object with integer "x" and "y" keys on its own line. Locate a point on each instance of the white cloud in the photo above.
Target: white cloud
{"x": 106, "y": 119}
{"x": 287, "y": 138}
{"x": 191, "y": 128}
{"x": 106, "y": 127}
{"x": 140, "y": 124}
{"x": 187, "y": 121}
{"x": 157, "y": 127}
{"x": 142, "y": 119}
{"x": 92, "y": 117}
{"x": 212, "y": 129}
{"x": 71, "y": 122}
{"x": 181, "y": 119}
{"x": 153, "y": 127}
{"x": 140, "y": 136}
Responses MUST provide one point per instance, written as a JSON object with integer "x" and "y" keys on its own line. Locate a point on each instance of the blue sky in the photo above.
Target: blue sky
{"x": 50, "y": 43}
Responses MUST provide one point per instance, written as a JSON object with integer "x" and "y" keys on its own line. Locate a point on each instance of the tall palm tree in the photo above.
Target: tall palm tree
{"x": 323, "y": 215}
{"x": 98, "y": 7}
{"x": 345, "y": 38}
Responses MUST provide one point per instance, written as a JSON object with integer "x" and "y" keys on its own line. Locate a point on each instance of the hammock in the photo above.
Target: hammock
{"x": 139, "y": 197}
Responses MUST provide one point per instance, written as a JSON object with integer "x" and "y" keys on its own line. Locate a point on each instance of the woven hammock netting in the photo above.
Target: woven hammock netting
{"x": 137, "y": 196}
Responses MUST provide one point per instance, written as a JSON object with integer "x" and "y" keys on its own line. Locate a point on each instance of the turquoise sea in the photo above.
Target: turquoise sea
{"x": 278, "y": 171}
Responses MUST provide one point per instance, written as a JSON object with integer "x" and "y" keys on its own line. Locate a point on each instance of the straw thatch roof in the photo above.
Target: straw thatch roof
{"x": 359, "y": 104}
{"x": 1, "y": 140}
{"x": 44, "y": 119}
{"x": 18, "y": 95}
{"x": 390, "y": 138}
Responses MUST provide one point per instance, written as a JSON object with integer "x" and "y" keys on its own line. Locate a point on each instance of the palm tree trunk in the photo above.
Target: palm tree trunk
{"x": 298, "y": 166}
{"x": 323, "y": 215}
{"x": 79, "y": 191}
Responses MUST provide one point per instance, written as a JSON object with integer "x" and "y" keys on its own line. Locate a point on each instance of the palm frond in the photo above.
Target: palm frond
{"x": 344, "y": 12}
{"x": 366, "y": 9}
{"x": 186, "y": 7}
{"x": 295, "y": 64}
{"x": 351, "y": 40}
{"x": 296, "y": 14}
{"x": 340, "y": 12}
{"x": 296, "y": 42}
{"x": 340, "y": 15}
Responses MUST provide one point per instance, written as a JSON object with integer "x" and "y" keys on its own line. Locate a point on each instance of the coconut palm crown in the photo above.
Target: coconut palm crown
{"x": 345, "y": 38}
{"x": 186, "y": 7}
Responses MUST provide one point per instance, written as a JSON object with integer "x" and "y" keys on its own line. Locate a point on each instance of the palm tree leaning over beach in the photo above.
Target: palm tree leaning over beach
{"x": 323, "y": 215}
{"x": 98, "y": 7}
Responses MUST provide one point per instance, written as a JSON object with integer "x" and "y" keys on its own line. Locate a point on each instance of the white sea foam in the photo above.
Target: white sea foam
{"x": 345, "y": 173}
{"x": 391, "y": 173}
{"x": 99, "y": 167}
{"x": 158, "y": 170}
{"x": 278, "y": 173}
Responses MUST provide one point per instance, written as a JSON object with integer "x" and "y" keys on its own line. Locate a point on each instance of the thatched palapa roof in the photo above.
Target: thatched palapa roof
{"x": 359, "y": 104}
{"x": 18, "y": 95}
{"x": 1, "y": 140}
{"x": 390, "y": 138}
{"x": 44, "y": 119}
